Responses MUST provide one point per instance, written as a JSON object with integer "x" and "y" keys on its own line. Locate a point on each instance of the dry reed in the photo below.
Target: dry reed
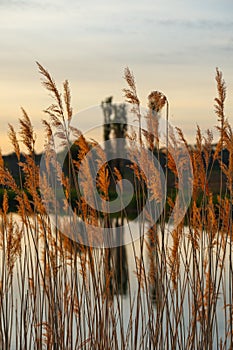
{"x": 58, "y": 294}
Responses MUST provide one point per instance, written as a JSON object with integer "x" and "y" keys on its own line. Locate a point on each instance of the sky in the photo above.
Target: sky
{"x": 171, "y": 46}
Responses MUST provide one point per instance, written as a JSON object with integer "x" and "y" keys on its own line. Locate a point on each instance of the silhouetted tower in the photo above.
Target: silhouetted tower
{"x": 115, "y": 127}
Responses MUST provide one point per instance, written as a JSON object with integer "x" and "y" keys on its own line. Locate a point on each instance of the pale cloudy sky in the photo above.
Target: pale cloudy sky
{"x": 171, "y": 45}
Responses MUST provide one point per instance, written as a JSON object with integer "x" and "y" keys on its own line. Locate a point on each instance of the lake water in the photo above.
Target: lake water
{"x": 108, "y": 299}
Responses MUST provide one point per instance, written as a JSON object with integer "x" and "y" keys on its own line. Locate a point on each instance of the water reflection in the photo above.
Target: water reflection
{"x": 121, "y": 276}
{"x": 99, "y": 289}
{"x": 116, "y": 265}
{"x": 154, "y": 263}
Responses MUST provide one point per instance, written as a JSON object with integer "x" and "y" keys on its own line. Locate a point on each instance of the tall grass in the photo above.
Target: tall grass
{"x": 171, "y": 289}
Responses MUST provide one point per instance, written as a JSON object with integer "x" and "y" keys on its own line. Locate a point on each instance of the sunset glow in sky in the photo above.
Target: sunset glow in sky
{"x": 171, "y": 46}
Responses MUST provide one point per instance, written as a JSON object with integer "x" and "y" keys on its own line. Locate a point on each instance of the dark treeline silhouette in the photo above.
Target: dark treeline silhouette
{"x": 212, "y": 168}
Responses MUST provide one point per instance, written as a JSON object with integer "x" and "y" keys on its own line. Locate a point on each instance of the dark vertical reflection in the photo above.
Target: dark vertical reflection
{"x": 120, "y": 265}
{"x": 116, "y": 267}
{"x": 154, "y": 271}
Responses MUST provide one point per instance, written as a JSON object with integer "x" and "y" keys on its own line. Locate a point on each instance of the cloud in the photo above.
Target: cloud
{"x": 17, "y": 3}
{"x": 197, "y": 23}
{"x": 36, "y": 5}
